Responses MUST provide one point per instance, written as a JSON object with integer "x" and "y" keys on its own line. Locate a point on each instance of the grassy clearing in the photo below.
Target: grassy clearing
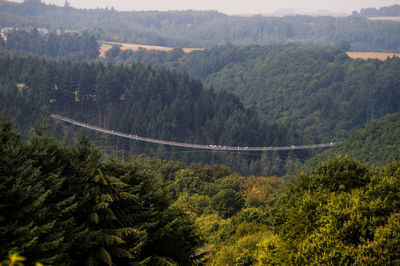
{"x": 371, "y": 55}
{"x": 397, "y": 19}
{"x": 105, "y": 46}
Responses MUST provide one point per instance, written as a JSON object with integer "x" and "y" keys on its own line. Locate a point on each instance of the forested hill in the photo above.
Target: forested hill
{"x": 389, "y": 11}
{"x": 58, "y": 44}
{"x": 376, "y": 144}
{"x": 319, "y": 89}
{"x": 150, "y": 102}
{"x": 204, "y": 29}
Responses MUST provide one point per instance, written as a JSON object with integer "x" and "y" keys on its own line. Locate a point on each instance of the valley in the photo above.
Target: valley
{"x": 274, "y": 141}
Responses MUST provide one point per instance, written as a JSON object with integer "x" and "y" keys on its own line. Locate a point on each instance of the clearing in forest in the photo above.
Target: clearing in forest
{"x": 105, "y": 46}
{"x": 397, "y": 19}
{"x": 371, "y": 55}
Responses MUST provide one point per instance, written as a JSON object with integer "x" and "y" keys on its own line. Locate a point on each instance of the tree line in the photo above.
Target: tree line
{"x": 389, "y": 11}
{"x": 75, "y": 46}
{"x": 207, "y": 28}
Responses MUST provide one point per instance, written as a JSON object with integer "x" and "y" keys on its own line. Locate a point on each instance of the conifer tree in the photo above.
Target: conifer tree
{"x": 30, "y": 178}
{"x": 11, "y": 168}
{"x": 102, "y": 228}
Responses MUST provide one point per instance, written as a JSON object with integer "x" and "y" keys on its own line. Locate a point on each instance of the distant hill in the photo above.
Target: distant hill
{"x": 388, "y": 11}
{"x": 205, "y": 28}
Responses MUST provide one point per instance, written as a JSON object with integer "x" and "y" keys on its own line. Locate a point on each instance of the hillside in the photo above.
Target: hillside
{"x": 58, "y": 44}
{"x": 150, "y": 102}
{"x": 387, "y": 11}
{"x": 205, "y": 28}
{"x": 319, "y": 89}
{"x": 376, "y": 144}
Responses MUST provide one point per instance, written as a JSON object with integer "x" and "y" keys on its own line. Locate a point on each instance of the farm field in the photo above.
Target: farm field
{"x": 371, "y": 55}
{"x": 105, "y": 46}
{"x": 397, "y": 19}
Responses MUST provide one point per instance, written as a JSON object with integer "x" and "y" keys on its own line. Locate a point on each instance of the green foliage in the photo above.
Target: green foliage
{"x": 32, "y": 174}
{"x": 186, "y": 182}
{"x": 319, "y": 89}
{"x": 339, "y": 214}
{"x": 243, "y": 252}
{"x": 227, "y": 202}
{"x": 197, "y": 204}
{"x": 150, "y": 211}
{"x": 76, "y": 46}
{"x": 258, "y": 190}
{"x": 72, "y": 208}
{"x": 376, "y": 144}
{"x": 385, "y": 246}
{"x": 272, "y": 251}
{"x": 338, "y": 174}
{"x": 144, "y": 101}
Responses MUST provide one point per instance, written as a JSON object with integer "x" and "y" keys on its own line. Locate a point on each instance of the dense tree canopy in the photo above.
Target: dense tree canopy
{"x": 376, "y": 144}
{"x": 145, "y": 101}
{"x": 107, "y": 211}
{"x": 319, "y": 88}
{"x": 76, "y": 46}
{"x": 73, "y": 208}
{"x": 70, "y": 203}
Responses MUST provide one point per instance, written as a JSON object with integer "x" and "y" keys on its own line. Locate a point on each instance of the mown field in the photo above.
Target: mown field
{"x": 372, "y": 55}
{"x": 397, "y": 19}
{"x": 105, "y": 46}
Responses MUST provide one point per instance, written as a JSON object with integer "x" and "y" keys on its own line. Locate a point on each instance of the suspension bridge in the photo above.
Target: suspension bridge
{"x": 191, "y": 145}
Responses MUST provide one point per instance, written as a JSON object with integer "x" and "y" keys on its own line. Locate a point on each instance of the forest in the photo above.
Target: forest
{"x": 72, "y": 196}
{"x": 76, "y": 207}
{"x": 390, "y": 11}
{"x": 320, "y": 90}
{"x": 375, "y": 144}
{"x": 205, "y": 28}
{"x": 146, "y": 101}
{"x": 75, "y": 46}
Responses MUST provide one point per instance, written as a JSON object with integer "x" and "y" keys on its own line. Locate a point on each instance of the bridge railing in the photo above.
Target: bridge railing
{"x": 191, "y": 145}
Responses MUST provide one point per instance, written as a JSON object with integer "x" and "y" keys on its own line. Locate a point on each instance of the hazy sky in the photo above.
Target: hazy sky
{"x": 230, "y": 6}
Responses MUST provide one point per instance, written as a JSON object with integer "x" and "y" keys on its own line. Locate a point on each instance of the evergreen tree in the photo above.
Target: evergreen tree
{"x": 12, "y": 167}
{"x": 102, "y": 216}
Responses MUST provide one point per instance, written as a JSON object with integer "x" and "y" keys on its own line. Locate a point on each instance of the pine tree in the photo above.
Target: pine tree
{"x": 12, "y": 166}
{"x": 105, "y": 232}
